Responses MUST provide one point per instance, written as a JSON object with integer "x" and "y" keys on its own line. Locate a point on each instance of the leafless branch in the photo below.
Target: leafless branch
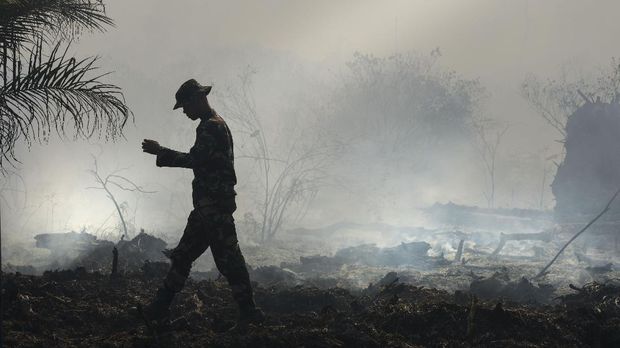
{"x": 544, "y": 270}
{"x": 109, "y": 180}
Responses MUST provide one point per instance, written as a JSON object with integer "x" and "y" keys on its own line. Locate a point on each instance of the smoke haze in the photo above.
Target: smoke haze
{"x": 297, "y": 54}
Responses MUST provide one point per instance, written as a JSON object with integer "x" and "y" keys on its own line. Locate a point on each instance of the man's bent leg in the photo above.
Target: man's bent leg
{"x": 192, "y": 244}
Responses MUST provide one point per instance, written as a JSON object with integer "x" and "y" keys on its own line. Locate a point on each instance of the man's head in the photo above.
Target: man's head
{"x": 192, "y": 97}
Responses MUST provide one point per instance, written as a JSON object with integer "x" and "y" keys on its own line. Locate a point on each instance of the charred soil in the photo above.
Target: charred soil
{"x": 82, "y": 309}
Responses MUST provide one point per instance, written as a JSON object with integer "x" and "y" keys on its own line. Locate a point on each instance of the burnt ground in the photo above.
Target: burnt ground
{"x": 81, "y": 309}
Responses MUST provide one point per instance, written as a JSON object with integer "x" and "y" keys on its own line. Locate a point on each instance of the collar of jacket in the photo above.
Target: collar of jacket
{"x": 208, "y": 114}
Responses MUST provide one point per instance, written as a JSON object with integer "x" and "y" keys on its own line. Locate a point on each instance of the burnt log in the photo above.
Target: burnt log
{"x": 544, "y": 236}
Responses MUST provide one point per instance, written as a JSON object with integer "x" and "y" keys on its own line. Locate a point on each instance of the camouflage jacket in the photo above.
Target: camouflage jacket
{"x": 212, "y": 160}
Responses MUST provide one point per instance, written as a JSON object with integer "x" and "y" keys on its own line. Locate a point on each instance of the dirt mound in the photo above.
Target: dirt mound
{"x": 132, "y": 254}
{"x": 499, "y": 285}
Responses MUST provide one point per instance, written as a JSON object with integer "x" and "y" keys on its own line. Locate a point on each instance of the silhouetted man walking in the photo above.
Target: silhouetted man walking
{"x": 210, "y": 223}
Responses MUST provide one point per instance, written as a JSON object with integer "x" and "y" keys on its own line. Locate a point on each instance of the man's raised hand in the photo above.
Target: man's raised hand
{"x": 150, "y": 146}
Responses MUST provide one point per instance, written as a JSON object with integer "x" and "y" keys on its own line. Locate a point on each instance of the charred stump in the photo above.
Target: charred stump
{"x": 590, "y": 171}
{"x": 459, "y": 251}
{"x": 114, "y": 263}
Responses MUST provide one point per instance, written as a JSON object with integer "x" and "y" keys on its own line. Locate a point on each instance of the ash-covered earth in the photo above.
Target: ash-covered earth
{"x": 81, "y": 309}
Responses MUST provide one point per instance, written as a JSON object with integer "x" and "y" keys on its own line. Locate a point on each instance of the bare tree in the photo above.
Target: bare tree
{"x": 556, "y": 99}
{"x": 547, "y": 160}
{"x": 106, "y": 182}
{"x": 489, "y": 138}
{"x": 405, "y": 114}
{"x": 287, "y": 179}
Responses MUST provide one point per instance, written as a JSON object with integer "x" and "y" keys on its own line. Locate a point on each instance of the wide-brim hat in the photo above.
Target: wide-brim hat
{"x": 187, "y": 90}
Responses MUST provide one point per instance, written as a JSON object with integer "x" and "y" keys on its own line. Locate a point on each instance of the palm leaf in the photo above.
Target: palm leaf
{"x": 57, "y": 92}
{"x": 25, "y": 21}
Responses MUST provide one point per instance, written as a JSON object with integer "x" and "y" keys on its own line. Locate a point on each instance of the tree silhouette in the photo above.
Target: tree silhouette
{"x": 555, "y": 99}
{"x": 106, "y": 182}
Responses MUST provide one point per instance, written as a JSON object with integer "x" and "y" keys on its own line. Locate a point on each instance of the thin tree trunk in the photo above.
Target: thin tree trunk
{"x": 544, "y": 270}
{"x": 118, "y": 209}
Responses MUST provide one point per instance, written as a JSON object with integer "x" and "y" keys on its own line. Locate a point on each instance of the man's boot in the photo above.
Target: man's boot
{"x": 159, "y": 308}
{"x": 250, "y": 314}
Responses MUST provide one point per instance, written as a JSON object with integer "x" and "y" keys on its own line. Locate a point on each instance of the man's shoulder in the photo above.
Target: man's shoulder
{"x": 216, "y": 120}
{"x": 213, "y": 127}
{"x": 213, "y": 124}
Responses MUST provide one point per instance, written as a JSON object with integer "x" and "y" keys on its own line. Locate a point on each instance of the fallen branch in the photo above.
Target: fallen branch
{"x": 587, "y": 100}
{"x": 544, "y": 236}
{"x": 575, "y": 288}
{"x": 544, "y": 270}
{"x": 59, "y": 299}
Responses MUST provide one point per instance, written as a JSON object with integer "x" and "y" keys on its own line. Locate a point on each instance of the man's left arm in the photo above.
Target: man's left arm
{"x": 170, "y": 158}
{"x": 197, "y": 156}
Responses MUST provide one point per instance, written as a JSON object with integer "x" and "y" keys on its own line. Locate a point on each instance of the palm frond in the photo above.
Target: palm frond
{"x": 27, "y": 20}
{"x": 56, "y": 92}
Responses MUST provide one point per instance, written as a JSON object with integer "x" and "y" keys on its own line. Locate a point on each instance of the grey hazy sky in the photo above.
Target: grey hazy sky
{"x": 498, "y": 41}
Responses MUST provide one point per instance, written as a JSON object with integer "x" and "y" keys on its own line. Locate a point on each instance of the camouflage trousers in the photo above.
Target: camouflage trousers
{"x": 208, "y": 227}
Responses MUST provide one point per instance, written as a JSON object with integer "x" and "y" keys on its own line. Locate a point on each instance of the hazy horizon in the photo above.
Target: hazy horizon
{"x": 300, "y": 50}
